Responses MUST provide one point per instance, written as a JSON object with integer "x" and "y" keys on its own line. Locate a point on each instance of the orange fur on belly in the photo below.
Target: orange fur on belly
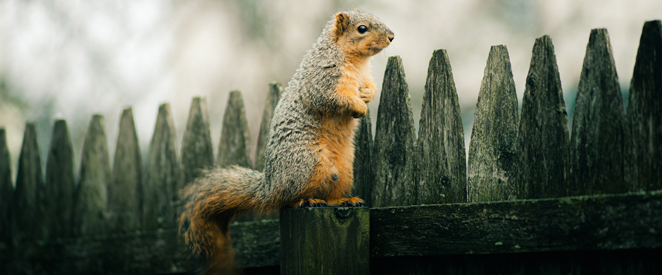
{"x": 335, "y": 157}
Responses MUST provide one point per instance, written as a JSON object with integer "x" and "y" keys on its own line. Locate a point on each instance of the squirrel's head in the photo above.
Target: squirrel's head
{"x": 360, "y": 33}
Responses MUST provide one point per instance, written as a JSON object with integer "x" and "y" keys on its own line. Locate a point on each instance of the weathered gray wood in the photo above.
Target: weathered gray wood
{"x": 273, "y": 96}
{"x": 543, "y": 129}
{"x": 325, "y": 240}
{"x": 153, "y": 252}
{"x": 60, "y": 183}
{"x": 197, "y": 151}
{"x": 395, "y": 137}
{"x": 6, "y": 191}
{"x": 30, "y": 190}
{"x": 613, "y": 262}
{"x": 596, "y": 156}
{"x": 234, "y": 147}
{"x": 645, "y": 110}
{"x": 90, "y": 217}
{"x": 257, "y": 243}
{"x": 441, "y": 159}
{"x": 363, "y": 169}
{"x": 164, "y": 178}
{"x": 600, "y": 222}
{"x": 125, "y": 190}
{"x": 492, "y": 150}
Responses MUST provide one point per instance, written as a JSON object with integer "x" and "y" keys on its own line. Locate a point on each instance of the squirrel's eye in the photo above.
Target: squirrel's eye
{"x": 362, "y": 29}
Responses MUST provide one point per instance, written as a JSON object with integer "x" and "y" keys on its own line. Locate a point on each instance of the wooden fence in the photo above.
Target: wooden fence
{"x": 531, "y": 200}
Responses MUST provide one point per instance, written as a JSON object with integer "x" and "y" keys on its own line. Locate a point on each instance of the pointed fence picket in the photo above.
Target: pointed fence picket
{"x": 441, "y": 159}
{"x": 163, "y": 174}
{"x": 125, "y": 190}
{"x": 60, "y": 183}
{"x": 91, "y": 198}
{"x": 492, "y": 151}
{"x": 542, "y": 139}
{"x": 644, "y": 116}
{"x": 6, "y": 191}
{"x": 395, "y": 137}
{"x": 596, "y": 152}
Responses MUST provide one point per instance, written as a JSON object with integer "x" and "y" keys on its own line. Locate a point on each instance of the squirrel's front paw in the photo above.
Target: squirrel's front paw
{"x": 367, "y": 94}
{"x": 359, "y": 110}
{"x": 346, "y": 202}
{"x": 310, "y": 203}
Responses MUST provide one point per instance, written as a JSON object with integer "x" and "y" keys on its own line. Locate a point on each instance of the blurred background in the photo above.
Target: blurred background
{"x": 70, "y": 59}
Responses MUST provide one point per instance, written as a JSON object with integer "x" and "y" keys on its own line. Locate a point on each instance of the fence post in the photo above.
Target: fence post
{"x": 645, "y": 110}
{"x": 125, "y": 190}
{"x": 492, "y": 151}
{"x": 197, "y": 151}
{"x": 6, "y": 191}
{"x": 326, "y": 240}
{"x": 60, "y": 183}
{"x": 543, "y": 130}
{"x": 597, "y": 150}
{"x": 164, "y": 178}
{"x": 395, "y": 137}
{"x": 91, "y": 195}
{"x": 440, "y": 156}
{"x": 30, "y": 190}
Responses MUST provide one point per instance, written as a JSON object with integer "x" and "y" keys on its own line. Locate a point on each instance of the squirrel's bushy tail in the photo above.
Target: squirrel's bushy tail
{"x": 210, "y": 203}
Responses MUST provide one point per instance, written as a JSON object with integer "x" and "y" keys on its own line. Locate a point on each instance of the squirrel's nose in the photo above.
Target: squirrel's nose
{"x": 390, "y": 39}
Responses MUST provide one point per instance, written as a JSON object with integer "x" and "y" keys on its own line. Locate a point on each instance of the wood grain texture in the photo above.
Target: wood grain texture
{"x": 395, "y": 137}
{"x": 197, "y": 150}
{"x": 441, "y": 158}
{"x": 60, "y": 183}
{"x": 596, "y": 154}
{"x": 164, "y": 177}
{"x": 600, "y": 222}
{"x": 234, "y": 147}
{"x": 257, "y": 244}
{"x": 363, "y": 168}
{"x": 6, "y": 191}
{"x": 597, "y": 224}
{"x": 542, "y": 140}
{"x": 30, "y": 201}
{"x": 325, "y": 240}
{"x": 644, "y": 113}
{"x": 492, "y": 150}
{"x": 613, "y": 262}
{"x": 125, "y": 191}
{"x": 90, "y": 217}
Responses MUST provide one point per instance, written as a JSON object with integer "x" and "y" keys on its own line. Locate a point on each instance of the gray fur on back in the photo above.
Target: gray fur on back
{"x": 297, "y": 119}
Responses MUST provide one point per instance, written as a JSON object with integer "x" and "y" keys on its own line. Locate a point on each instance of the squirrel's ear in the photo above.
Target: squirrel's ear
{"x": 342, "y": 22}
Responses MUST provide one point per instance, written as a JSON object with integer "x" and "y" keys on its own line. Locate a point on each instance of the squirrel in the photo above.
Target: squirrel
{"x": 309, "y": 152}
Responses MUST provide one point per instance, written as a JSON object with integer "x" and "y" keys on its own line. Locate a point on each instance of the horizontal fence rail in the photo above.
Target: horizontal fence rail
{"x": 528, "y": 189}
